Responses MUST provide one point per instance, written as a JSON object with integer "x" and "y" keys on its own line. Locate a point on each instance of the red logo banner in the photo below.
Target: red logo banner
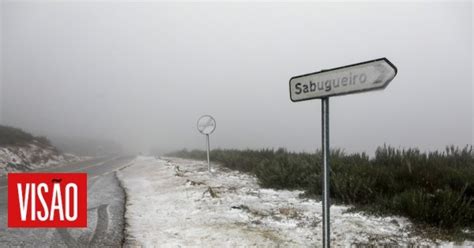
{"x": 47, "y": 200}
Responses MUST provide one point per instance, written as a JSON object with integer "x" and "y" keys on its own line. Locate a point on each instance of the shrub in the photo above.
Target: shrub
{"x": 433, "y": 188}
{"x": 444, "y": 208}
{"x": 16, "y": 136}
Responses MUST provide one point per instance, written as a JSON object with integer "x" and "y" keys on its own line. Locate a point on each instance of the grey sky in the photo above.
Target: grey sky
{"x": 142, "y": 73}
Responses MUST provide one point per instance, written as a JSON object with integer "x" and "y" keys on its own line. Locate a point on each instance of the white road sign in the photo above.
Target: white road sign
{"x": 365, "y": 76}
{"x": 206, "y": 124}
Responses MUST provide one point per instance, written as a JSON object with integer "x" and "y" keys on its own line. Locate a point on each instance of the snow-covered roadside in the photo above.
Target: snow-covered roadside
{"x": 31, "y": 156}
{"x": 175, "y": 202}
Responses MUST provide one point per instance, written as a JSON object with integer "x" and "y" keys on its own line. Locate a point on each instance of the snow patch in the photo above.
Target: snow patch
{"x": 30, "y": 157}
{"x": 176, "y": 202}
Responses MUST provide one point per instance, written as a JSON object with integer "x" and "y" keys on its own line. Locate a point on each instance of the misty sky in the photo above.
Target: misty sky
{"x": 142, "y": 73}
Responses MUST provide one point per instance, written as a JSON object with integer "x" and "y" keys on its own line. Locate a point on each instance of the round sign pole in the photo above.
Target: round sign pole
{"x": 208, "y": 149}
{"x": 206, "y": 125}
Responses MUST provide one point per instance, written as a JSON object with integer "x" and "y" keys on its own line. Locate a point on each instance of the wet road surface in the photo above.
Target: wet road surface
{"x": 105, "y": 216}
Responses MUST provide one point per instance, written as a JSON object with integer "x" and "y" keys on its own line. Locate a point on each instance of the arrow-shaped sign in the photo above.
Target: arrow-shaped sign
{"x": 365, "y": 76}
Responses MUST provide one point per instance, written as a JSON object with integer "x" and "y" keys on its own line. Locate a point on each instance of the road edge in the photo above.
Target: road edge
{"x": 127, "y": 239}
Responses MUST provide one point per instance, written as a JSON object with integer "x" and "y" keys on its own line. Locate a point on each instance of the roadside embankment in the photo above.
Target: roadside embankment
{"x": 176, "y": 202}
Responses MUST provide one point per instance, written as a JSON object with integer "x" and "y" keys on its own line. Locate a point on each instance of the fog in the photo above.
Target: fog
{"x": 141, "y": 74}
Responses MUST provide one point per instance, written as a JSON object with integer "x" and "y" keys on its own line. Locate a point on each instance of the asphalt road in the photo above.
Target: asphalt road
{"x": 105, "y": 217}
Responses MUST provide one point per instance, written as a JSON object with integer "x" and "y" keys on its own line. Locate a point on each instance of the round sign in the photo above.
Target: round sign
{"x": 206, "y": 124}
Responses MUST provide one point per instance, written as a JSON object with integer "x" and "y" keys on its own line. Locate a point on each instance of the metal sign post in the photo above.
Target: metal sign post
{"x": 366, "y": 76}
{"x": 326, "y": 169}
{"x": 208, "y": 150}
{"x": 206, "y": 125}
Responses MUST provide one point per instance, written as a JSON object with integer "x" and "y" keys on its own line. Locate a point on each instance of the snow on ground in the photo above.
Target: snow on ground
{"x": 176, "y": 202}
{"x": 31, "y": 156}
